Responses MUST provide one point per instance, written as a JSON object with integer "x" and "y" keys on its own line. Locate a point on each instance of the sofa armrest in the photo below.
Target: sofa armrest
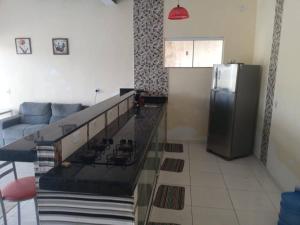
{"x": 10, "y": 121}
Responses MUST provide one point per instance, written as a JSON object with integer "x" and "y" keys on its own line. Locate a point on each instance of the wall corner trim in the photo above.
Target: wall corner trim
{"x": 271, "y": 80}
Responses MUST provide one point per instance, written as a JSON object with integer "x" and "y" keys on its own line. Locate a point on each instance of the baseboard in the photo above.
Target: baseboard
{"x": 201, "y": 140}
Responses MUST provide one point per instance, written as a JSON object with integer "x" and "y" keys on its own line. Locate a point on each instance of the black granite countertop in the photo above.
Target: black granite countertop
{"x": 23, "y": 150}
{"x": 104, "y": 178}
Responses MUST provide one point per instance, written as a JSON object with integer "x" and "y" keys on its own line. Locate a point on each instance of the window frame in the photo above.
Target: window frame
{"x": 193, "y": 39}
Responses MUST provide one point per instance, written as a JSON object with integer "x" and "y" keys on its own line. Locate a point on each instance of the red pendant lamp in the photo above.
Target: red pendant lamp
{"x": 178, "y": 13}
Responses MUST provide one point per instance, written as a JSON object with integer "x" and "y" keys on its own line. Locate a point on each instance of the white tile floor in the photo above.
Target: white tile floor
{"x": 218, "y": 192}
{"x": 27, "y": 214}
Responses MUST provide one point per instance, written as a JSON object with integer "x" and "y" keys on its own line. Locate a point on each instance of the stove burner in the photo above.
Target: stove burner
{"x": 123, "y": 142}
{"x": 125, "y": 146}
{"x": 99, "y": 147}
{"x": 123, "y": 153}
{"x": 88, "y": 156}
{"x": 102, "y": 146}
{"x": 108, "y": 141}
{"x": 104, "y": 153}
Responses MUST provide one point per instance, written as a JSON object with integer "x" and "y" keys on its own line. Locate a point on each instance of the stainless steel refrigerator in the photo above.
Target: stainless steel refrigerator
{"x": 233, "y": 110}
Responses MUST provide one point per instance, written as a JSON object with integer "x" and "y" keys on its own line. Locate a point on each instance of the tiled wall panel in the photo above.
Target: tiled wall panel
{"x": 149, "y": 71}
{"x": 271, "y": 80}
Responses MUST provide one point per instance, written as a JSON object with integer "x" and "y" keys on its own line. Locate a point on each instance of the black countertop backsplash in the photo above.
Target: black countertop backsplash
{"x": 23, "y": 150}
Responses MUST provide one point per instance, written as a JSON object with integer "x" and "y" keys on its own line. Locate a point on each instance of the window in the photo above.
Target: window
{"x": 179, "y": 54}
{"x": 193, "y": 53}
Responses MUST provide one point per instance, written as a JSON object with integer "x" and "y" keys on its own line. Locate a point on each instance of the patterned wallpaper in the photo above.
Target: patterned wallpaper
{"x": 149, "y": 71}
{"x": 271, "y": 80}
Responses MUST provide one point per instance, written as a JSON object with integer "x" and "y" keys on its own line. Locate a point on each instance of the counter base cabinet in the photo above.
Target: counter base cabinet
{"x": 77, "y": 208}
{"x": 121, "y": 194}
{"x": 74, "y": 208}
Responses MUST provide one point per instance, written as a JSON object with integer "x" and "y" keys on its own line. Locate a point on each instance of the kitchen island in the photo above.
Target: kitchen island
{"x": 98, "y": 166}
{"x": 105, "y": 171}
{"x": 116, "y": 175}
{"x": 112, "y": 168}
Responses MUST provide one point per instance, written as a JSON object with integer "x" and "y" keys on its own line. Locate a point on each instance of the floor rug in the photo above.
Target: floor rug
{"x": 173, "y": 147}
{"x": 170, "y": 197}
{"x": 173, "y": 165}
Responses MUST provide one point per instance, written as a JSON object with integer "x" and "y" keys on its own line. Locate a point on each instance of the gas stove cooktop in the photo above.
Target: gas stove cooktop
{"x": 107, "y": 153}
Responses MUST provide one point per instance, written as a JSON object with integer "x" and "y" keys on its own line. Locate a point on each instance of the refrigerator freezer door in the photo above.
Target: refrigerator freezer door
{"x": 221, "y": 122}
{"x": 225, "y": 77}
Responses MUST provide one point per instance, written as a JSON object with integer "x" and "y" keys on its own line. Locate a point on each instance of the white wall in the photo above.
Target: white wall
{"x": 189, "y": 89}
{"x": 262, "y": 53}
{"x": 283, "y": 160}
{"x": 284, "y": 151}
{"x": 101, "y": 50}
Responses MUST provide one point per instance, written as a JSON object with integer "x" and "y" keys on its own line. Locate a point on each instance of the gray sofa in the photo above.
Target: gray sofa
{"x": 33, "y": 117}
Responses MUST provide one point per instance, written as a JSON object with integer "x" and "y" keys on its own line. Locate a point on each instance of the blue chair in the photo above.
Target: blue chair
{"x": 290, "y": 209}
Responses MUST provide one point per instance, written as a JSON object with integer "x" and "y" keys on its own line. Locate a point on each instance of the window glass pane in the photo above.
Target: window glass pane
{"x": 207, "y": 53}
{"x": 178, "y": 53}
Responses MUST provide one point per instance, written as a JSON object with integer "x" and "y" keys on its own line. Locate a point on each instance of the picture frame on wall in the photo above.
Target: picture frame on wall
{"x": 60, "y": 46}
{"x": 23, "y": 46}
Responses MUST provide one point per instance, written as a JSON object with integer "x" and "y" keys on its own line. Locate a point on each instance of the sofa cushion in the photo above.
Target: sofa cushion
{"x": 10, "y": 121}
{"x": 60, "y": 111}
{"x": 19, "y": 131}
{"x": 35, "y": 113}
{"x": 33, "y": 128}
{"x": 15, "y": 132}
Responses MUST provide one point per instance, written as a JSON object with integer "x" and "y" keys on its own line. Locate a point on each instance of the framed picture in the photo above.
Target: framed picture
{"x": 60, "y": 46}
{"x": 23, "y": 46}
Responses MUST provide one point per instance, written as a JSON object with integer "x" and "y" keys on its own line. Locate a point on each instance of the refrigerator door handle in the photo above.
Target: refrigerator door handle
{"x": 213, "y": 99}
{"x": 216, "y": 79}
